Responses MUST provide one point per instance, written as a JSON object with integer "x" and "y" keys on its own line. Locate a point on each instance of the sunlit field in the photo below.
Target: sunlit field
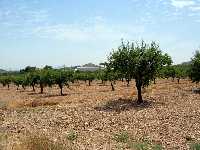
{"x": 95, "y": 117}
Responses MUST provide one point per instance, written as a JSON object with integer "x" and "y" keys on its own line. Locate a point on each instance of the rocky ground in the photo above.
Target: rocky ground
{"x": 94, "y": 117}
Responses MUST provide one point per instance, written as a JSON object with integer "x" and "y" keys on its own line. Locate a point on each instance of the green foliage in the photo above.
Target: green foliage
{"x": 6, "y": 80}
{"x": 195, "y": 68}
{"x": 195, "y": 146}
{"x": 168, "y": 71}
{"x": 85, "y": 76}
{"x": 102, "y": 75}
{"x": 32, "y": 79}
{"x": 44, "y": 78}
{"x": 141, "y": 146}
{"x": 79, "y": 76}
{"x": 18, "y": 80}
{"x": 90, "y": 76}
{"x": 62, "y": 78}
{"x": 107, "y": 75}
{"x": 28, "y": 69}
{"x": 144, "y": 145}
{"x": 157, "y": 147}
{"x": 48, "y": 67}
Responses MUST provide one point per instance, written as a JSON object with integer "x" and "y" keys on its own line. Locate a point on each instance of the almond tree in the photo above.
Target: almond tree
{"x": 140, "y": 61}
{"x": 18, "y": 80}
{"x": 108, "y": 75}
{"x": 32, "y": 78}
{"x": 6, "y": 80}
{"x": 62, "y": 78}
{"x": 112, "y": 77}
{"x": 44, "y": 79}
{"x": 195, "y": 68}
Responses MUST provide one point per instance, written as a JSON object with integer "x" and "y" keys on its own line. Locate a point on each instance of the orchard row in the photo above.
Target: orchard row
{"x": 141, "y": 62}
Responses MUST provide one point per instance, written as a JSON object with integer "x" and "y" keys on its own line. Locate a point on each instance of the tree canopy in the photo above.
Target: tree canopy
{"x": 195, "y": 68}
{"x": 139, "y": 61}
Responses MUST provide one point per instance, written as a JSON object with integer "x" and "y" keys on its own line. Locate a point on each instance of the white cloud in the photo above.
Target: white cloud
{"x": 21, "y": 13}
{"x": 195, "y": 8}
{"x": 91, "y": 29}
{"x": 182, "y": 3}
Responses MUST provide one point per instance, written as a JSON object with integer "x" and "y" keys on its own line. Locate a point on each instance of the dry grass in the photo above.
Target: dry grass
{"x": 40, "y": 141}
{"x": 33, "y": 103}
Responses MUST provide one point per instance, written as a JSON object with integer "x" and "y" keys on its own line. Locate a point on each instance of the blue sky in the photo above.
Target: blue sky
{"x": 72, "y": 32}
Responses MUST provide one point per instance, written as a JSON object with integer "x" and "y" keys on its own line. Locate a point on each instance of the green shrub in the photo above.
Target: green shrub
{"x": 121, "y": 137}
{"x": 72, "y": 135}
{"x": 195, "y": 146}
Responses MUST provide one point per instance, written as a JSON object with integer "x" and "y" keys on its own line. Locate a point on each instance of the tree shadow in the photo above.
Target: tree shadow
{"x": 103, "y": 84}
{"x": 53, "y": 95}
{"x": 33, "y": 93}
{"x": 120, "y": 105}
{"x": 25, "y": 91}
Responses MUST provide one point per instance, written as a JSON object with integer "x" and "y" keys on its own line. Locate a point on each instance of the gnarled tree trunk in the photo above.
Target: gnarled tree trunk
{"x": 41, "y": 88}
{"x": 112, "y": 86}
{"x": 139, "y": 89}
{"x": 178, "y": 80}
{"x": 154, "y": 81}
{"x": 61, "y": 89}
{"x": 33, "y": 86}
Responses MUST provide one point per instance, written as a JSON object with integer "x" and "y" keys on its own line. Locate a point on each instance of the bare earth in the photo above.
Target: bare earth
{"x": 170, "y": 115}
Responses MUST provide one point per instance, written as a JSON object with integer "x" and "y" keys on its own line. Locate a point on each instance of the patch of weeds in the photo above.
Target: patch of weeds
{"x": 72, "y": 135}
{"x": 140, "y": 146}
{"x": 120, "y": 147}
{"x": 144, "y": 145}
{"x": 195, "y": 146}
{"x": 122, "y": 137}
{"x": 157, "y": 147}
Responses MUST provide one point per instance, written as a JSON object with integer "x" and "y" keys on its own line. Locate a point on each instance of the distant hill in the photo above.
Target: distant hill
{"x": 186, "y": 63}
{"x": 90, "y": 65}
{"x": 2, "y": 71}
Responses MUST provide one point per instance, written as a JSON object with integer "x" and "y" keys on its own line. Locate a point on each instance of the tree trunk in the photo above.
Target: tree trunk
{"x": 139, "y": 89}
{"x": 89, "y": 83}
{"x": 128, "y": 81}
{"x": 178, "y": 80}
{"x": 140, "y": 100}
{"x": 112, "y": 86}
{"x": 33, "y": 88}
{"x": 23, "y": 87}
{"x": 61, "y": 90}
{"x": 8, "y": 86}
{"x": 154, "y": 81}
{"x": 41, "y": 88}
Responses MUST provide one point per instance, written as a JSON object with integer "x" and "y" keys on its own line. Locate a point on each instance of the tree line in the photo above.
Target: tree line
{"x": 139, "y": 61}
